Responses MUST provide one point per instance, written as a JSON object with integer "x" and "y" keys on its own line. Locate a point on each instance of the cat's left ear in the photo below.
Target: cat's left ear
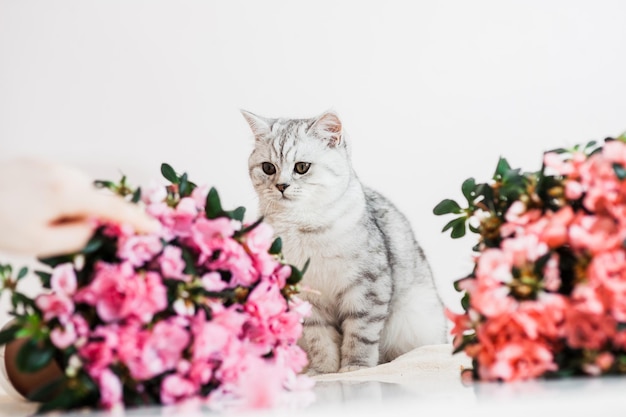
{"x": 328, "y": 126}
{"x": 260, "y": 126}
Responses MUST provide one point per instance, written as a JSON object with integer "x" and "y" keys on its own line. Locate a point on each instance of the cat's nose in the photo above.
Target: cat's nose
{"x": 282, "y": 187}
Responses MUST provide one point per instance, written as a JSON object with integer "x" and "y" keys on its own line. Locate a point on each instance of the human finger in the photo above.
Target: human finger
{"x": 116, "y": 209}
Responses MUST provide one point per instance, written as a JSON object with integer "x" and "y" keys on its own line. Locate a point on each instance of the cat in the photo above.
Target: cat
{"x": 371, "y": 287}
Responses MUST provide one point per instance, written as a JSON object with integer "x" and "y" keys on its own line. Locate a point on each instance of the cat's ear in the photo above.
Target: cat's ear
{"x": 260, "y": 126}
{"x": 328, "y": 126}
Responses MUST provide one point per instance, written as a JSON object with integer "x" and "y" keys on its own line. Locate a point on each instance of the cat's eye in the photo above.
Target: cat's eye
{"x": 302, "y": 167}
{"x": 268, "y": 168}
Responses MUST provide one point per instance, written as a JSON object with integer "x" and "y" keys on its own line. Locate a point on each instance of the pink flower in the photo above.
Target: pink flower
{"x": 286, "y": 326}
{"x": 199, "y": 195}
{"x": 172, "y": 263}
{"x": 261, "y": 384}
{"x": 183, "y": 216}
{"x": 260, "y": 238}
{"x": 291, "y": 356}
{"x": 265, "y": 301}
{"x": 150, "y": 353}
{"x": 201, "y": 372}
{"x": 212, "y": 281}
{"x": 63, "y": 337}
{"x": 118, "y": 292}
{"x": 154, "y": 193}
{"x": 209, "y": 234}
{"x": 234, "y": 258}
{"x": 63, "y": 279}
{"x": 175, "y": 388}
{"x": 97, "y": 355}
{"x": 55, "y": 305}
{"x": 110, "y": 389}
{"x": 139, "y": 249}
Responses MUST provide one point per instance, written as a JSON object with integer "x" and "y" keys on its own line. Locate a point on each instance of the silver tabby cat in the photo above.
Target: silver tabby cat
{"x": 374, "y": 296}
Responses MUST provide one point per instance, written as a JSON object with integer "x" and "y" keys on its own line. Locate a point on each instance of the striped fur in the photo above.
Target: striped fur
{"x": 372, "y": 290}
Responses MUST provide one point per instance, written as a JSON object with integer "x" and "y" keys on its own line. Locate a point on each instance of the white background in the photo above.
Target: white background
{"x": 430, "y": 92}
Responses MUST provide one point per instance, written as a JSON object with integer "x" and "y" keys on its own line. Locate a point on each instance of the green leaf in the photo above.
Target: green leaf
{"x": 458, "y": 227}
{"x": 213, "y": 206}
{"x": 190, "y": 263}
{"x": 136, "y": 196}
{"x": 56, "y": 260}
{"x": 295, "y": 277}
{"x": 237, "y": 214}
{"x": 184, "y": 189}
{"x": 465, "y": 302}
{"x": 277, "y": 246}
{"x": 620, "y": 172}
{"x": 502, "y": 168}
{"x": 93, "y": 245}
{"x": 44, "y": 277}
{"x": 8, "y": 335}
{"x": 447, "y": 206}
{"x": 22, "y": 273}
{"x": 247, "y": 229}
{"x": 168, "y": 172}
{"x": 306, "y": 266}
{"x": 34, "y": 356}
{"x": 468, "y": 187}
{"x": 19, "y": 298}
{"x": 105, "y": 184}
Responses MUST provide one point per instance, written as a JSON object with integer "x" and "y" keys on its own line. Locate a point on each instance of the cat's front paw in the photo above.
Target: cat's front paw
{"x": 350, "y": 368}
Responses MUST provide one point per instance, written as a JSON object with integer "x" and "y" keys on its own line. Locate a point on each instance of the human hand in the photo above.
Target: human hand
{"x": 49, "y": 209}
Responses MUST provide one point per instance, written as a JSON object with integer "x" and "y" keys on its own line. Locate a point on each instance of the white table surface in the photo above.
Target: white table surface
{"x": 447, "y": 396}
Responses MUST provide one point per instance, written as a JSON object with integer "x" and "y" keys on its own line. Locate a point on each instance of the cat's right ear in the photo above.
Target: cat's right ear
{"x": 260, "y": 126}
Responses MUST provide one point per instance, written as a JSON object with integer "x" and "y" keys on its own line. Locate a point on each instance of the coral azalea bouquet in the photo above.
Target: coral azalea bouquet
{"x": 547, "y": 294}
{"x": 204, "y": 309}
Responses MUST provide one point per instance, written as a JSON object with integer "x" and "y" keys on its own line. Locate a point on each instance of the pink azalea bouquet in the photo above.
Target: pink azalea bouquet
{"x": 547, "y": 294}
{"x": 205, "y": 309}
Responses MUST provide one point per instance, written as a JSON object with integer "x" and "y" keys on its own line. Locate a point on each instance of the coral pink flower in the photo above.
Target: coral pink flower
{"x": 494, "y": 267}
{"x": 615, "y": 151}
{"x": 555, "y": 232}
{"x": 586, "y": 330}
{"x": 595, "y": 234}
{"x": 555, "y": 161}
